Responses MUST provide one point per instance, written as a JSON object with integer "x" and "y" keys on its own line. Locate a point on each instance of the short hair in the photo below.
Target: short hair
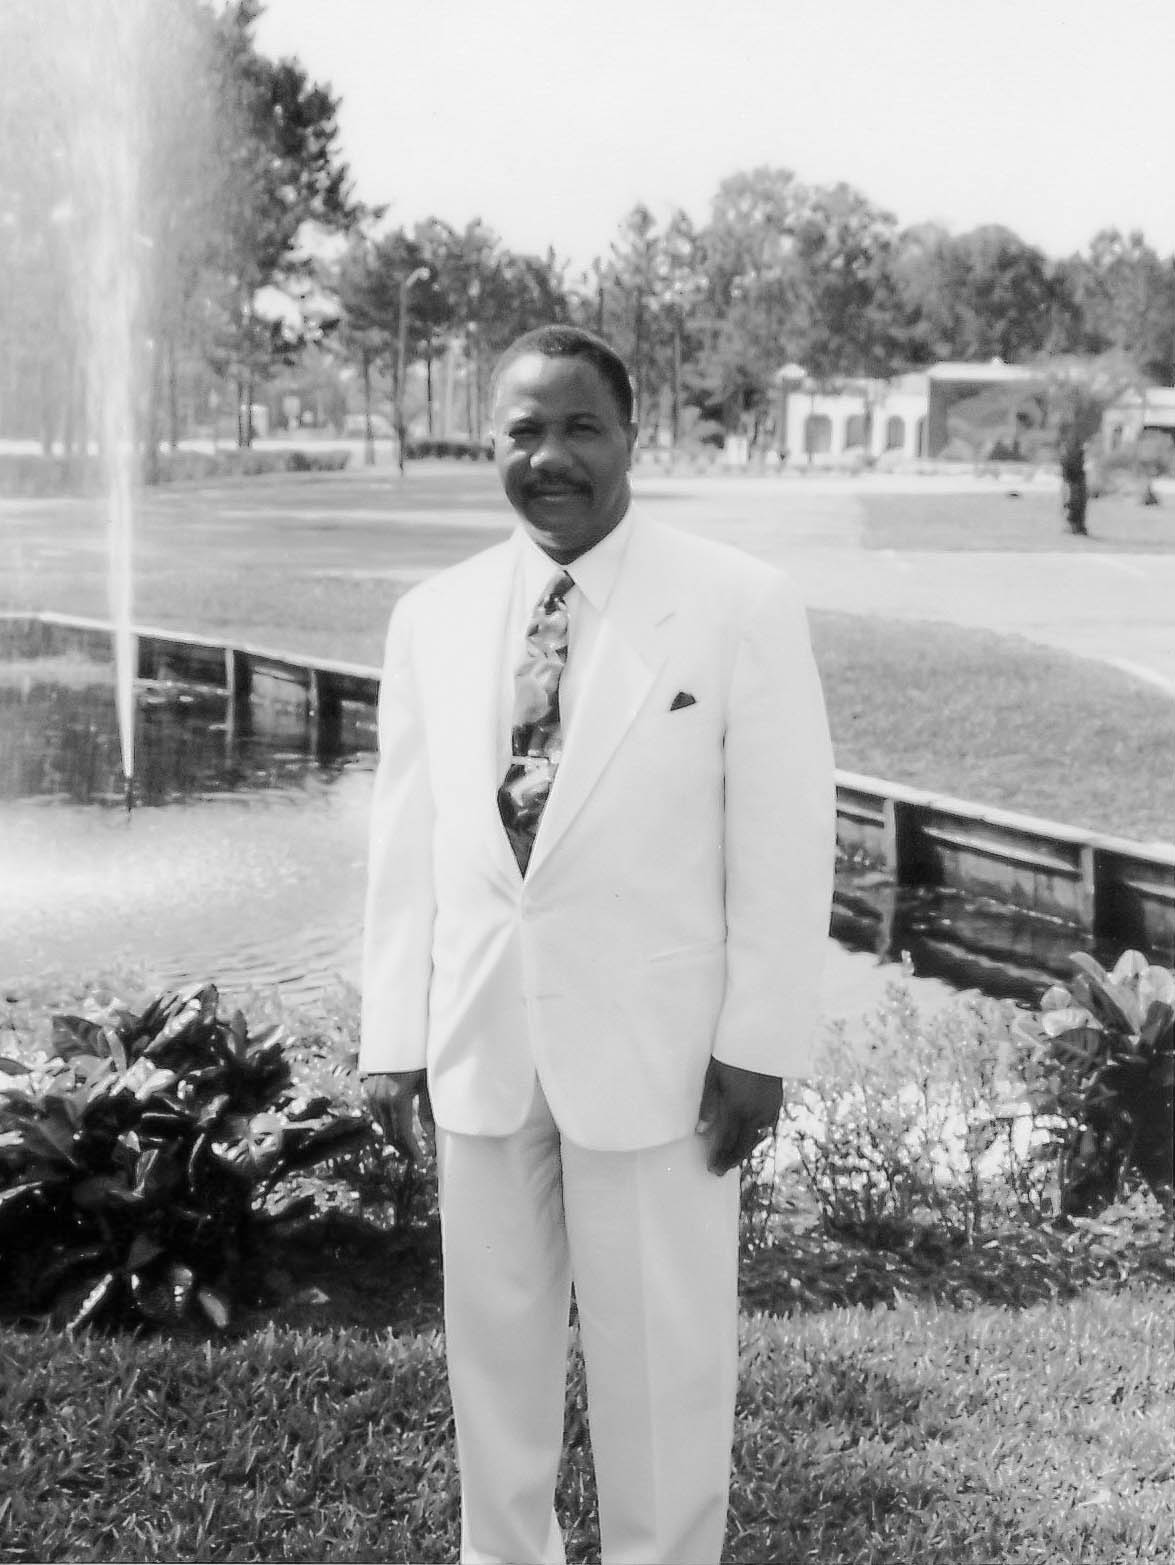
{"x": 572, "y": 342}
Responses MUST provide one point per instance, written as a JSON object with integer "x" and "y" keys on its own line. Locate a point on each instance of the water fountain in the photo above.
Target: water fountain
{"x": 103, "y": 87}
{"x": 101, "y": 63}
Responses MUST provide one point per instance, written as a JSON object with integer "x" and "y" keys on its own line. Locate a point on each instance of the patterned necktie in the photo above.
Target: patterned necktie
{"x": 536, "y": 740}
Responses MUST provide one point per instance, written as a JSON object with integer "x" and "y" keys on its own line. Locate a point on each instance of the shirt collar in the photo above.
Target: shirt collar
{"x": 594, "y": 573}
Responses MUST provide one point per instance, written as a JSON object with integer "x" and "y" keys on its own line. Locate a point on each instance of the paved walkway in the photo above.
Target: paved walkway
{"x": 1116, "y": 608}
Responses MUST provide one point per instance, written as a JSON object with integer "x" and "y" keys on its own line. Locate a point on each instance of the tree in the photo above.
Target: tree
{"x": 436, "y": 300}
{"x": 148, "y": 152}
{"x": 754, "y": 305}
{"x": 1064, "y": 400}
{"x": 277, "y": 149}
{"x": 41, "y": 353}
{"x": 363, "y": 336}
{"x": 633, "y": 277}
{"x": 797, "y": 273}
{"x": 1125, "y": 296}
{"x": 681, "y": 288}
{"x": 474, "y": 302}
{"x": 478, "y": 296}
{"x": 996, "y": 297}
{"x": 844, "y": 249}
{"x": 1076, "y": 394}
{"x": 924, "y": 313}
{"x": 373, "y": 286}
{"x": 519, "y": 291}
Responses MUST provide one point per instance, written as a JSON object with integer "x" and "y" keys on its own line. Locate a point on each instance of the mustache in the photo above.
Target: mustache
{"x": 553, "y": 486}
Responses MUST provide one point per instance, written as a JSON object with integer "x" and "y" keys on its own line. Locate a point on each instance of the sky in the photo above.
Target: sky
{"x": 550, "y": 120}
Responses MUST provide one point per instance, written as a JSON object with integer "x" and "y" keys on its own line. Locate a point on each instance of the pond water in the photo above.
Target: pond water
{"x": 243, "y": 859}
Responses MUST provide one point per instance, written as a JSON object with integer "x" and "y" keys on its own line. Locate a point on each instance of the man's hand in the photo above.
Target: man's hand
{"x": 392, "y": 1097}
{"x": 739, "y": 1107}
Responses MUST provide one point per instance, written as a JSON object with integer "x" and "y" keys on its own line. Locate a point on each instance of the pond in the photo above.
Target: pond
{"x": 243, "y": 860}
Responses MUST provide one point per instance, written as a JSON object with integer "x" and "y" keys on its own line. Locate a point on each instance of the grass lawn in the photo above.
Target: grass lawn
{"x": 307, "y": 565}
{"x": 1031, "y": 523}
{"x": 1001, "y": 721}
{"x": 881, "y": 1437}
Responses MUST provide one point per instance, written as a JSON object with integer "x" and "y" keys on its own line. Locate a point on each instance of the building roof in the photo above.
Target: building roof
{"x": 1158, "y": 399}
{"x": 994, "y": 370}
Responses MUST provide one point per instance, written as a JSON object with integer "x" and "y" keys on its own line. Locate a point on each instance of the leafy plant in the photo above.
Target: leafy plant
{"x": 919, "y": 1128}
{"x": 375, "y": 1180}
{"x": 138, "y": 1155}
{"x": 758, "y": 1181}
{"x": 1101, "y": 1057}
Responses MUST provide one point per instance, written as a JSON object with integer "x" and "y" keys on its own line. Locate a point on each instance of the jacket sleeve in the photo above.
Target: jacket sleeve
{"x": 401, "y": 903}
{"x": 780, "y": 837}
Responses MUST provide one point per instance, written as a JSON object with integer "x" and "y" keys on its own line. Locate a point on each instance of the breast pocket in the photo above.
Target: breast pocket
{"x": 675, "y": 753}
{"x": 685, "y": 725}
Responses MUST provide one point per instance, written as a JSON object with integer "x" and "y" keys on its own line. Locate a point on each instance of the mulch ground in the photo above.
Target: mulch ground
{"x": 343, "y": 1270}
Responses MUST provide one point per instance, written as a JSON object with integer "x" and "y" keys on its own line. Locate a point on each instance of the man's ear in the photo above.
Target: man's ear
{"x": 630, "y": 435}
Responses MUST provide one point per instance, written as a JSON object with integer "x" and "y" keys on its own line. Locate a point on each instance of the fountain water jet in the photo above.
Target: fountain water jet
{"x": 102, "y": 61}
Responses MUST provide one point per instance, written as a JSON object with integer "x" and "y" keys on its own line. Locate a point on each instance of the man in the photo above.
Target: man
{"x": 601, "y": 859}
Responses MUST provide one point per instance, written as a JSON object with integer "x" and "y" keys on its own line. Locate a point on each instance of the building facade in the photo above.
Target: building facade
{"x": 896, "y": 420}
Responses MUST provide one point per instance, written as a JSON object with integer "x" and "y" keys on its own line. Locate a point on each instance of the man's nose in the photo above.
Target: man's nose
{"x": 551, "y": 452}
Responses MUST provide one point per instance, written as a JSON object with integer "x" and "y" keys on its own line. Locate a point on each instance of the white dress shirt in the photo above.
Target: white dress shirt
{"x": 594, "y": 575}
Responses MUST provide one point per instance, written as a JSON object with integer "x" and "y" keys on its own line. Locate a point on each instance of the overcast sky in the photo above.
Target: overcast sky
{"x": 549, "y": 120}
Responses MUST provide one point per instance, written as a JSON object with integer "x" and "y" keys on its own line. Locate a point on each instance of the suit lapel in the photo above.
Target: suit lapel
{"x": 466, "y": 645}
{"x": 627, "y": 657}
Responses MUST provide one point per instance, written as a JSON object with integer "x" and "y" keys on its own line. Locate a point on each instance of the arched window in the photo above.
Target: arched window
{"x": 895, "y": 433}
{"x": 856, "y": 428}
{"x": 817, "y": 434}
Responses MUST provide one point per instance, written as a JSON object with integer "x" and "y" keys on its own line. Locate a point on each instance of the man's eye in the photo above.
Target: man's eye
{"x": 584, "y": 427}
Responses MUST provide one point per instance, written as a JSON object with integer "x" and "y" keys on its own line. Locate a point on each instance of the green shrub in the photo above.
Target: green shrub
{"x": 317, "y": 461}
{"x": 30, "y": 473}
{"x": 381, "y": 1183}
{"x": 138, "y": 1156}
{"x": 459, "y": 446}
{"x": 1100, "y": 1059}
{"x": 1132, "y": 468}
{"x": 758, "y": 1186}
{"x": 922, "y": 1128}
{"x": 953, "y": 1124}
{"x": 176, "y": 466}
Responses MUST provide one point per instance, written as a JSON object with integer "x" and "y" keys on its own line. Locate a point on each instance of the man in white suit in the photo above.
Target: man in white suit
{"x": 600, "y": 873}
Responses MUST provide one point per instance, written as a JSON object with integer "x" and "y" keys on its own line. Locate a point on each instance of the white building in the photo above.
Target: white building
{"x": 1137, "y": 413}
{"x": 879, "y": 420}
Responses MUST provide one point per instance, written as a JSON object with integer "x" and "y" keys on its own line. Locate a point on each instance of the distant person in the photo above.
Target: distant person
{"x": 600, "y": 874}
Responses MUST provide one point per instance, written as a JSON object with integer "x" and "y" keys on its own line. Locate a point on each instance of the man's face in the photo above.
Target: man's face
{"x": 563, "y": 452}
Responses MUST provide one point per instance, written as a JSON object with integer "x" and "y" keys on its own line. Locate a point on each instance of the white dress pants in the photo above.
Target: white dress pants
{"x": 650, "y": 1239}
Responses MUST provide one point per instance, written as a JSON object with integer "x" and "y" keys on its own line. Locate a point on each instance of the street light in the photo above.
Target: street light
{"x": 401, "y": 344}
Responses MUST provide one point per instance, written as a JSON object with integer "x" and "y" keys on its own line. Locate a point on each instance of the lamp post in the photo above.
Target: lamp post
{"x": 401, "y": 345}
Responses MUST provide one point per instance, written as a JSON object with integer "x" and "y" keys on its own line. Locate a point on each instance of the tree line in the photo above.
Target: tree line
{"x": 240, "y": 170}
{"x": 235, "y": 159}
{"x": 782, "y": 274}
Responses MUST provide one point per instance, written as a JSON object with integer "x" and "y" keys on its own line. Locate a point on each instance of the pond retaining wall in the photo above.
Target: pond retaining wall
{"x": 1112, "y": 887}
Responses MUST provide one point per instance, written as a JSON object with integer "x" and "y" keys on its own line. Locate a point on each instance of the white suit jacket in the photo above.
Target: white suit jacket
{"x": 676, "y": 904}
